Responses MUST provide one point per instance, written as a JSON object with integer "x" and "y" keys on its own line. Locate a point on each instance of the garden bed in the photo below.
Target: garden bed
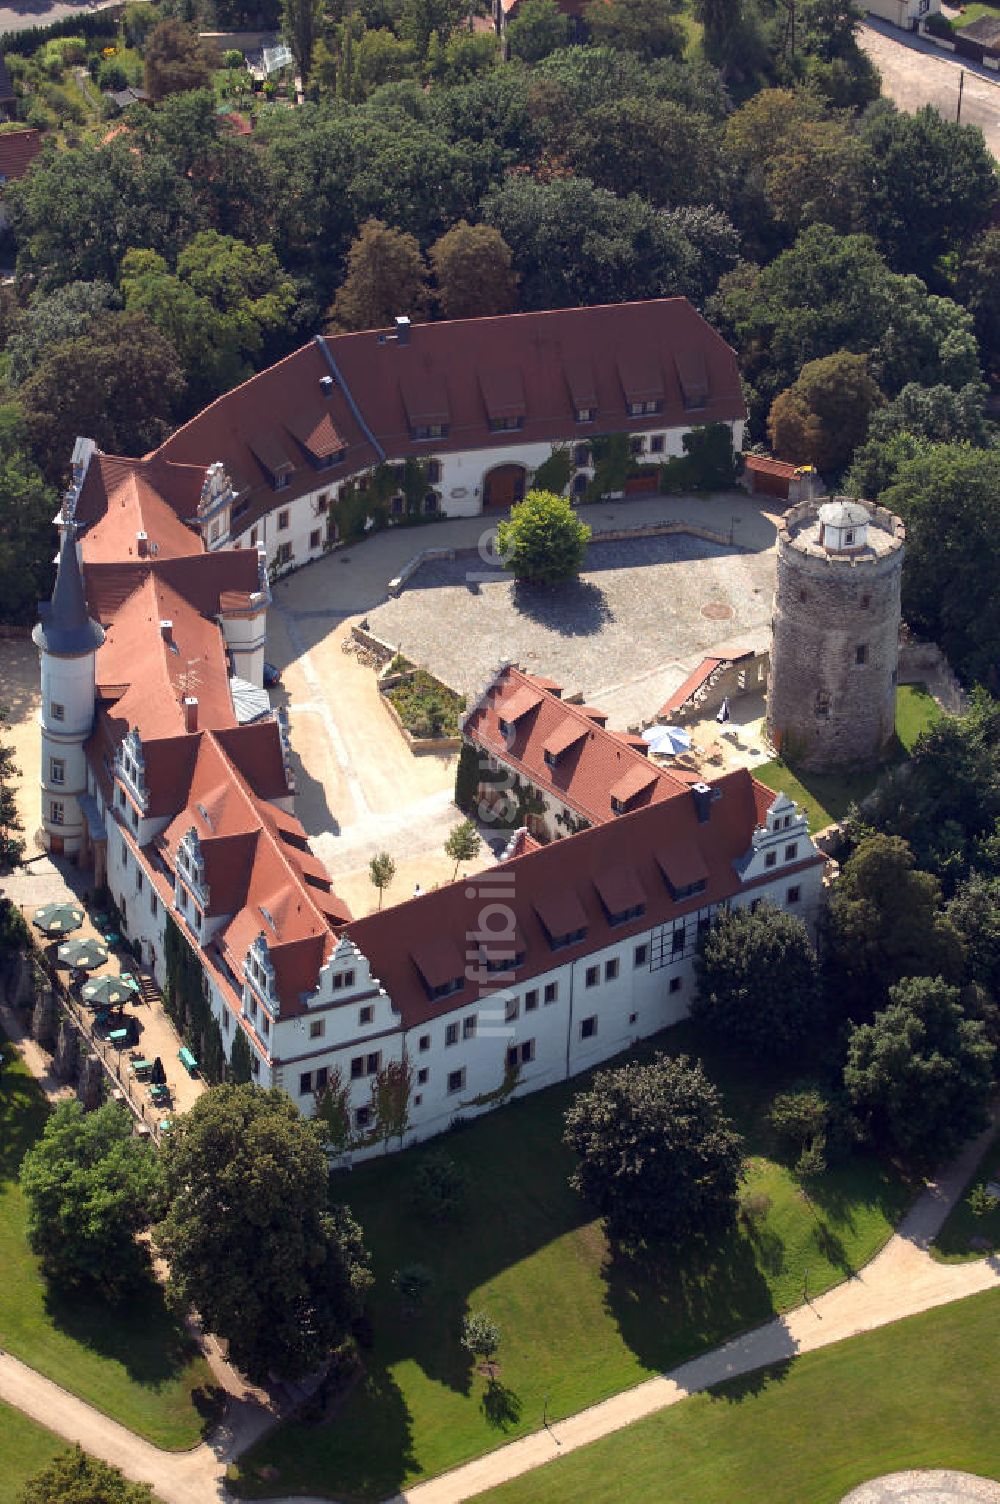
{"x": 425, "y": 710}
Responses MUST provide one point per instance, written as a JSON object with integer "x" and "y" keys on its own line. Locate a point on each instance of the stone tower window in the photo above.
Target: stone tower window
{"x": 866, "y": 601}
{"x": 822, "y": 703}
{"x": 861, "y": 654}
{"x": 802, "y": 595}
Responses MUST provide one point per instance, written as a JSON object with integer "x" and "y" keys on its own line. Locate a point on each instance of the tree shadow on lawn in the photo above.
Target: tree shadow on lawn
{"x": 137, "y": 1332}
{"x": 576, "y": 608}
{"x": 500, "y": 1405}
{"x": 690, "y": 1300}
{"x": 735, "y": 1391}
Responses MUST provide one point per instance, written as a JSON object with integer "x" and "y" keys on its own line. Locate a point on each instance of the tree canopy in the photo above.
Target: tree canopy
{"x": 822, "y": 417}
{"x": 658, "y": 1158}
{"x": 543, "y": 542}
{"x": 250, "y": 1236}
{"x": 758, "y": 981}
{"x": 76, "y": 1478}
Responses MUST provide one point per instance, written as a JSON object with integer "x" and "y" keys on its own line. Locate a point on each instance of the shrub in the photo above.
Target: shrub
{"x": 233, "y": 58}
{"x": 982, "y": 1202}
{"x": 112, "y": 76}
{"x": 798, "y": 1117}
{"x": 753, "y": 1208}
{"x": 440, "y": 1187}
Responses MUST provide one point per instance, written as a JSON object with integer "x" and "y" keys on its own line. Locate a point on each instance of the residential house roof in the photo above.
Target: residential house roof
{"x": 18, "y": 150}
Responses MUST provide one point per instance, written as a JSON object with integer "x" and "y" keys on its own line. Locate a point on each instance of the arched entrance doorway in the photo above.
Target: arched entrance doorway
{"x": 504, "y": 486}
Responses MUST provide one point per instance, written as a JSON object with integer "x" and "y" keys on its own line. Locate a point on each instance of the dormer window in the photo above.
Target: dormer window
{"x": 585, "y": 415}
{"x": 645, "y": 409}
{"x": 506, "y": 425}
{"x": 430, "y": 431}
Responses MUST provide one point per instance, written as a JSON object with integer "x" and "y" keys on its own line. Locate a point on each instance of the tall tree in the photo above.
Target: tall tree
{"x": 11, "y": 824}
{"x": 658, "y": 1158}
{"x": 979, "y": 289}
{"x": 385, "y": 277}
{"x": 473, "y": 271}
{"x": 975, "y": 913}
{"x": 280, "y": 1289}
{"x": 76, "y": 1478}
{"x": 758, "y": 981}
{"x": 175, "y": 59}
{"x": 423, "y": 19}
{"x": 921, "y": 1073}
{"x": 381, "y": 871}
{"x": 654, "y": 147}
{"x": 53, "y": 316}
{"x": 823, "y": 416}
{"x": 300, "y": 21}
{"x": 391, "y": 1091}
{"x": 538, "y": 28}
{"x": 90, "y": 1186}
{"x": 462, "y": 845}
{"x": 27, "y": 506}
{"x": 884, "y": 922}
{"x": 645, "y": 27}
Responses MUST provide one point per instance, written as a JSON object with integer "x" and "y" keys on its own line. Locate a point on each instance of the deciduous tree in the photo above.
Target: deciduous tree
{"x": 76, "y": 1478}
{"x": 658, "y": 1158}
{"x": 472, "y": 269}
{"x": 90, "y": 1186}
{"x": 462, "y": 845}
{"x": 544, "y": 541}
{"x": 11, "y": 824}
{"x": 758, "y": 981}
{"x": 921, "y": 1073}
{"x": 538, "y": 28}
{"x": 385, "y": 277}
{"x": 381, "y": 871}
{"x": 645, "y": 27}
{"x": 175, "y": 59}
{"x": 280, "y": 1288}
{"x": 823, "y": 416}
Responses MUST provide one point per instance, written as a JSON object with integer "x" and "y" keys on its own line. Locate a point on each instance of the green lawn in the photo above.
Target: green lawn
{"x": 920, "y": 1393}
{"x": 826, "y": 797}
{"x": 952, "y": 1245}
{"x": 974, "y": 12}
{"x": 577, "y": 1324}
{"x": 132, "y": 1361}
{"x": 25, "y": 1448}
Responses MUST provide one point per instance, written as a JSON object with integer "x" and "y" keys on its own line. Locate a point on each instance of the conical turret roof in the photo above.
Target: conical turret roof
{"x": 65, "y": 627}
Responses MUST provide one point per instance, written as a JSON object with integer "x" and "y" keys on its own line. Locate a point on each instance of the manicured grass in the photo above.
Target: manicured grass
{"x": 25, "y": 1448}
{"x": 919, "y": 1394}
{"x": 827, "y": 797}
{"x": 953, "y": 1243}
{"x": 577, "y": 1323}
{"x": 974, "y": 12}
{"x": 132, "y": 1361}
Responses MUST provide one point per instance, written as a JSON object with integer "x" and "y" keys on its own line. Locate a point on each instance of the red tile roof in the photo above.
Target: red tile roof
{"x": 767, "y": 466}
{"x": 542, "y": 366}
{"x": 596, "y": 765}
{"x": 693, "y": 682}
{"x": 123, "y": 497}
{"x": 557, "y": 889}
{"x": 18, "y": 150}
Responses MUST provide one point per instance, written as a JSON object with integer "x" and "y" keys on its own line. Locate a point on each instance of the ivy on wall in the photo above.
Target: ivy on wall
{"x": 185, "y": 997}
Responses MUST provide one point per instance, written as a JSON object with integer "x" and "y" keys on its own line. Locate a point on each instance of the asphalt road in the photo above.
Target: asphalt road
{"x": 42, "y": 13}
{"x": 915, "y": 72}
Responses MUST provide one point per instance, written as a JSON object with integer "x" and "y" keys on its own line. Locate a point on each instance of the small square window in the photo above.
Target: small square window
{"x": 611, "y": 969}
{"x": 305, "y": 1083}
{"x": 57, "y": 711}
{"x": 451, "y": 1034}
{"x": 357, "y": 1067}
{"x": 317, "y": 1028}
{"x": 315, "y": 538}
{"x": 417, "y": 1100}
{"x": 551, "y": 992}
{"x": 322, "y": 501}
{"x": 423, "y": 1075}
{"x": 640, "y": 956}
{"x": 770, "y": 857}
{"x": 511, "y": 1010}
{"x": 424, "y": 1043}
{"x": 362, "y": 1117}
{"x": 675, "y": 984}
{"x": 469, "y": 1026}
{"x": 456, "y": 1081}
{"x": 588, "y": 1027}
{"x": 593, "y": 976}
{"x": 633, "y": 1018}
{"x": 791, "y": 851}
{"x": 283, "y": 520}
{"x": 793, "y": 895}
{"x": 365, "y": 1015}
{"x": 531, "y": 1000}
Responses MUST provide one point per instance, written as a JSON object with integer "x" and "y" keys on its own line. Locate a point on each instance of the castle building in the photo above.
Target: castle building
{"x": 835, "y": 633}
{"x": 165, "y": 771}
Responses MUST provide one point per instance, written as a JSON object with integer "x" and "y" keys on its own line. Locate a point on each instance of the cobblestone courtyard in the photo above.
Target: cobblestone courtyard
{"x": 642, "y": 615}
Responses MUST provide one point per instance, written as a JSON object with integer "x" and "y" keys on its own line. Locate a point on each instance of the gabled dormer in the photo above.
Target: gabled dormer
{"x": 215, "y": 506}
{"x": 782, "y": 840}
{"x": 130, "y": 768}
{"x": 259, "y": 983}
{"x": 191, "y": 893}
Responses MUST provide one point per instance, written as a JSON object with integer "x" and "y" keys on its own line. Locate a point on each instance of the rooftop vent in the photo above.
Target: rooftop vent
{"x": 190, "y": 713}
{"x": 167, "y": 631}
{"x": 701, "y": 793}
{"x": 142, "y": 544}
{"x": 326, "y": 382}
{"x": 402, "y": 329}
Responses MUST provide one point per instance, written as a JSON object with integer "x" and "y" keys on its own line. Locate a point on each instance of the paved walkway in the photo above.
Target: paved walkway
{"x": 900, "y": 1281}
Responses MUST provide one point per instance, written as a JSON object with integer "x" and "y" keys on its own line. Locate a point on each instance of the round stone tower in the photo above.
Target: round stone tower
{"x": 831, "y": 698}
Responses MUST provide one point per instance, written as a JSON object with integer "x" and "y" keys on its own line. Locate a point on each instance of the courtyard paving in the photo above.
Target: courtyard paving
{"x": 642, "y": 615}
{"x": 931, "y": 1487}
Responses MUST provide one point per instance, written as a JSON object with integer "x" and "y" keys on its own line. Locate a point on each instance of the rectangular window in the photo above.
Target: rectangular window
{"x": 283, "y": 520}
{"x": 527, "y": 1052}
{"x": 226, "y": 1021}
{"x": 433, "y": 471}
{"x": 861, "y": 654}
{"x": 362, "y": 1117}
{"x": 770, "y": 857}
{"x": 451, "y": 1035}
{"x": 792, "y": 851}
{"x": 866, "y": 601}
{"x": 423, "y": 1075}
{"x": 469, "y": 1026}
{"x": 265, "y": 1024}
{"x": 677, "y": 942}
{"x": 424, "y": 1043}
{"x": 253, "y": 537}
{"x": 611, "y": 969}
{"x": 504, "y": 425}
{"x": 57, "y": 711}
{"x": 284, "y": 554}
{"x": 511, "y": 1010}
{"x": 374, "y": 1063}
{"x": 57, "y": 770}
{"x": 322, "y": 501}
{"x": 636, "y": 444}
{"x": 305, "y": 1083}
{"x": 656, "y": 443}
{"x": 456, "y": 1081}
{"x": 322, "y": 1074}
{"x": 793, "y": 895}
{"x": 531, "y": 1000}
{"x": 633, "y": 1018}
{"x": 154, "y": 905}
{"x": 551, "y": 992}
{"x": 357, "y": 1067}
{"x": 588, "y": 1027}
{"x": 640, "y": 956}
{"x": 138, "y": 880}
{"x": 593, "y": 976}
{"x": 255, "y": 1066}
{"x": 56, "y": 813}
{"x": 675, "y": 984}
{"x": 315, "y": 538}
{"x": 365, "y": 1015}
{"x": 585, "y": 415}
{"x": 317, "y": 1028}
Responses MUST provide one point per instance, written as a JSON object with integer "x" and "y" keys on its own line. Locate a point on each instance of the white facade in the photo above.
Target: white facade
{"x": 905, "y": 13}
{"x": 66, "y": 719}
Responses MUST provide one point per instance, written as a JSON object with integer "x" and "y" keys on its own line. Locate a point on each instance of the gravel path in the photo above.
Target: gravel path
{"x": 900, "y": 1281}
{"x": 939, "y": 1487}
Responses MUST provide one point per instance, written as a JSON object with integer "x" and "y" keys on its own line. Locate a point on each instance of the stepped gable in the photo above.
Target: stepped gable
{"x": 342, "y": 404}
{"x": 564, "y": 750}
{"x": 624, "y": 861}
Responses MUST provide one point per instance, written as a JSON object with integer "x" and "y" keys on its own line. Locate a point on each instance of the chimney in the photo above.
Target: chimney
{"x": 167, "y": 631}
{"x": 326, "y": 385}
{"x": 402, "y": 329}
{"x": 190, "y": 713}
{"x": 142, "y": 544}
{"x": 702, "y": 796}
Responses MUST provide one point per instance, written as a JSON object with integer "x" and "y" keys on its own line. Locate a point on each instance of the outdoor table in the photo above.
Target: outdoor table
{"x": 141, "y": 1067}
{"x": 118, "y": 1036}
{"x": 188, "y": 1060}
{"x": 157, "y": 1093}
